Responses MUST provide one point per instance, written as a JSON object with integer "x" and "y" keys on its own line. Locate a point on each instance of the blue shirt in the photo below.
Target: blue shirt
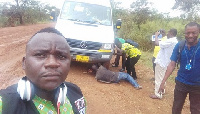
{"x": 192, "y": 76}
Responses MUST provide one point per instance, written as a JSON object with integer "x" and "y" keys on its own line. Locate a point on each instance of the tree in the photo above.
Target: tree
{"x": 141, "y": 12}
{"x": 27, "y": 11}
{"x": 20, "y": 8}
{"x": 189, "y": 7}
{"x": 16, "y": 11}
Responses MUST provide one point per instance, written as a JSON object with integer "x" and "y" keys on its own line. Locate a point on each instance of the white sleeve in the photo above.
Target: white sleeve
{"x": 165, "y": 44}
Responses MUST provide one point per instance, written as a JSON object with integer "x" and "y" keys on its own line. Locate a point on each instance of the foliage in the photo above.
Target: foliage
{"x": 143, "y": 35}
{"x": 24, "y": 12}
{"x": 189, "y": 7}
{"x": 141, "y": 12}
{"x": 3, "y": 21}
{"x": 141, "y": 22}
{"x": 186, "y": 5}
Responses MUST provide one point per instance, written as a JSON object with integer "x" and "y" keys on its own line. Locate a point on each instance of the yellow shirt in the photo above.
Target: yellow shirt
{"x": 130, "y": 50}
{"x": 157, "y": 48}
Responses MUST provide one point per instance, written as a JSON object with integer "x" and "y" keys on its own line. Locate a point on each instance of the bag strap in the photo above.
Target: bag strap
{"x": 181, "y": 47}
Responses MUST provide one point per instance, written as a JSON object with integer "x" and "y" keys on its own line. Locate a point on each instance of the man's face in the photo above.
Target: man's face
{"x": 47, "y": 60}
{"x": 191, "y": 34}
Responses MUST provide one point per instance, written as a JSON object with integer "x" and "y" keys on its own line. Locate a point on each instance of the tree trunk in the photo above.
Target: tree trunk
{"x": 21, "y": 19}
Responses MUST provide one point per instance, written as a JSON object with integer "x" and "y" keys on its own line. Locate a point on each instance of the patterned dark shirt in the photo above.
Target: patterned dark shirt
{"x": 106, "y": 75}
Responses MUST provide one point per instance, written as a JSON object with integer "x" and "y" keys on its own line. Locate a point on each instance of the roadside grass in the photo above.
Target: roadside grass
{"x": 146, "y": 60}
{"x": 4, "y": 22}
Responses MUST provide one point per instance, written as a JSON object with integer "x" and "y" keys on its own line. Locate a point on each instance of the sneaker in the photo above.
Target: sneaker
{"x": 154, "y": 97}
{"x": 122, "y": 70}
{"x": 139, "y": 87}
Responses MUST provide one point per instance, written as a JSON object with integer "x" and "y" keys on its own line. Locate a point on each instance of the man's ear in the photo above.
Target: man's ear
{"x": 23, "y": 63}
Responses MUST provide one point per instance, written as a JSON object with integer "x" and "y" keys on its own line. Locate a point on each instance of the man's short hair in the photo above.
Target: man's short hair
{"x": 116, "y": 41}
{"x": 162, "y": 31}
{"x": 173, "y": 31}
{"x": 48, "y": 30}
{"x": 192, "y": 24}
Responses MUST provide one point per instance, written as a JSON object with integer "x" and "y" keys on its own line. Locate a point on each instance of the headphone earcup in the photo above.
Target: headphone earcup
{"x": 25, "y": 89}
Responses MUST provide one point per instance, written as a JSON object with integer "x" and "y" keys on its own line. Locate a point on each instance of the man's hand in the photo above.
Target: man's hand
{"x": 161, "y": 89}
{"x": 156, "y": 38}
{"x": 157, "y": 33}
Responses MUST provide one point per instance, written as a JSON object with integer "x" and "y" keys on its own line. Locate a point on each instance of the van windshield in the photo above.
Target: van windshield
{"x": 87, "y": 13}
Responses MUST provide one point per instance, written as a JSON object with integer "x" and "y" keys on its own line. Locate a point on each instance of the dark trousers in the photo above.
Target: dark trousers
{"x": 180, "y": 93}
{"x": 123, "y": 60}
{"x": 154, "y": 64}
{"x": 130, "y": 65}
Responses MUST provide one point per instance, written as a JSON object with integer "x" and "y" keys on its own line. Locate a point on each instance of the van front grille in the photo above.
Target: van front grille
{"x": 84, "y": 44}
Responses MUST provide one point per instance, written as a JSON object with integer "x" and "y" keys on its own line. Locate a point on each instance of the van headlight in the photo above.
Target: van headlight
{"x": 106, "y": 46}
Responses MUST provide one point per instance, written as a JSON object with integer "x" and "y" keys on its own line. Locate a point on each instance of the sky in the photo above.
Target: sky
{"x": 163, "y": 6}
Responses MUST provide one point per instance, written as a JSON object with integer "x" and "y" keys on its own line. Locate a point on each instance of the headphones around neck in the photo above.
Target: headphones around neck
{"x": 26, "y": 91}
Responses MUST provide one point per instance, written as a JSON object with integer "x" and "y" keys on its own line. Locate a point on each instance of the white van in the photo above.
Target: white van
{"x": 88, "y": 28}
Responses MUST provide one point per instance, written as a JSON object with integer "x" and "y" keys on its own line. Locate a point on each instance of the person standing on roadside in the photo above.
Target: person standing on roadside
{"x": 157, "y": 48}
{"x": 163, "y": 59}
{"x": 44, "y": 90}
{"x": 188, "y": 76}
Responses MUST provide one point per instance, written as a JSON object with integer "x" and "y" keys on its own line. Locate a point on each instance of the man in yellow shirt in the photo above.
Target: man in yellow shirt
{"x": 133, "y": 55}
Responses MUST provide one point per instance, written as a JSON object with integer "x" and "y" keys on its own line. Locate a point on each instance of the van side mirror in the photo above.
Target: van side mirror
{"x": 118, "y": 24}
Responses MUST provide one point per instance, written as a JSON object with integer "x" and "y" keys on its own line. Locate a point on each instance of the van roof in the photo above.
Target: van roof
{"x": 98, "y": 2}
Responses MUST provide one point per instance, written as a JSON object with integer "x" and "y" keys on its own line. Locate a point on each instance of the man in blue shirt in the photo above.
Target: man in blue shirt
{"x": 188, "y": 77}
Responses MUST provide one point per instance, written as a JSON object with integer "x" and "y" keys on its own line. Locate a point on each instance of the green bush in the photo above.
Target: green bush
{"x": 26, "y": 12}
{"x": 142, "y": 33}
{"x": 3, "y": 21}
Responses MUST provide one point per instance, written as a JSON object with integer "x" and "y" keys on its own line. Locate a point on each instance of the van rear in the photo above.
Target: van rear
{"x": 88, "y": 28}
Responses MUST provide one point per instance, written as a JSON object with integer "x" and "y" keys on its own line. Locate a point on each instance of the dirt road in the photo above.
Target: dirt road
{"x": 101, "y": 98}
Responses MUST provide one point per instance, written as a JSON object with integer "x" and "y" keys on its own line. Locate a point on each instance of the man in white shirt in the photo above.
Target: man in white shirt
{"x": 163, "y": 59}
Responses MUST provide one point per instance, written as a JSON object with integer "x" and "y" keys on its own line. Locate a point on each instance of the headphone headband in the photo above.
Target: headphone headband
{"x": 26, "y": 91}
